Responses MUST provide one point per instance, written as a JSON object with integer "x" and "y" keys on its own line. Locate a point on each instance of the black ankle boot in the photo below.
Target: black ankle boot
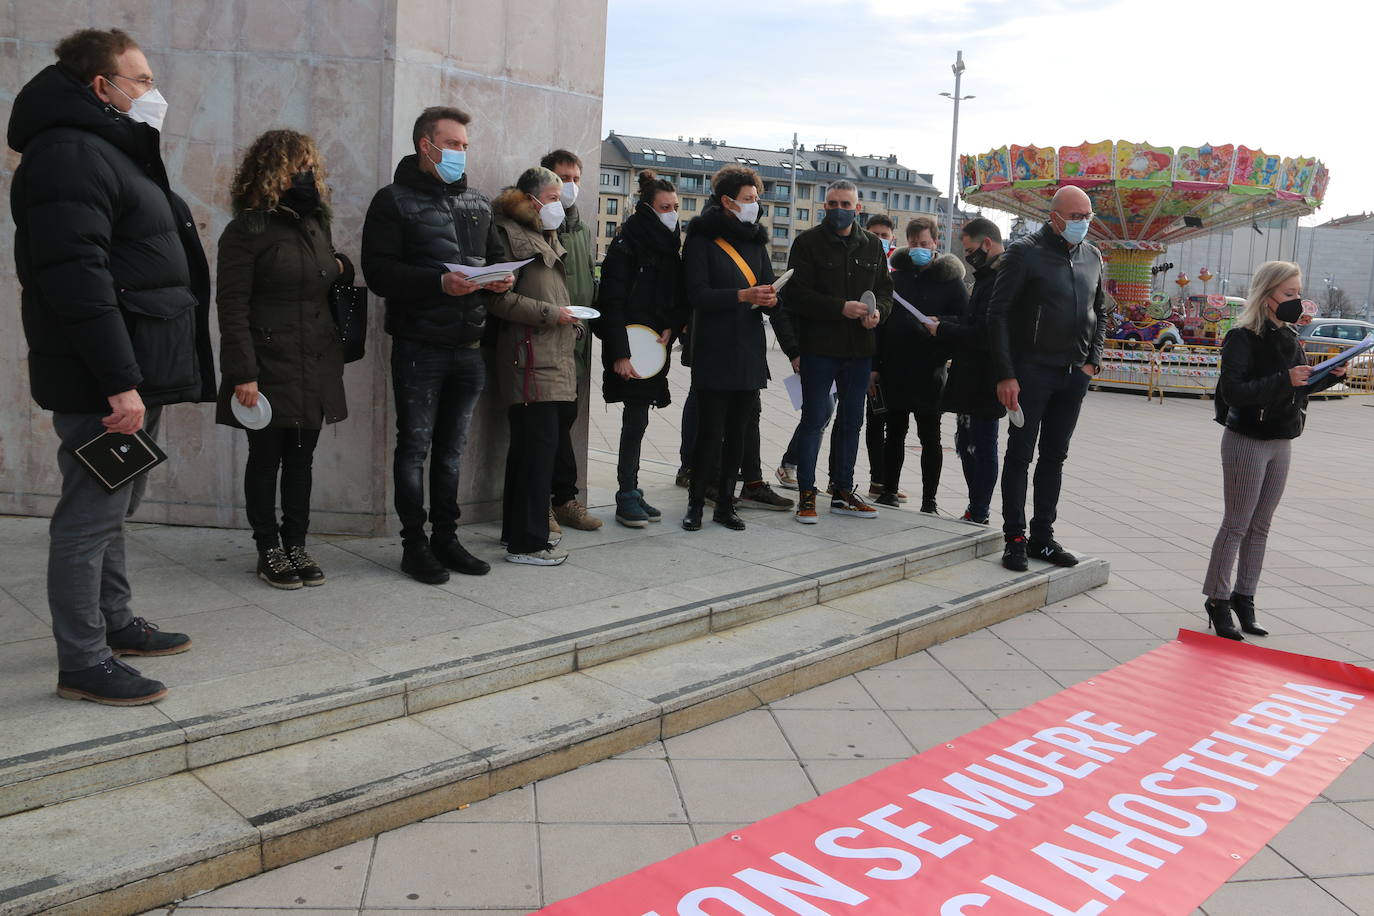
{"x": 1219, "y": 618}
{"x": 1244, "y": 606}
{"x": 692, "y": 520}
{"x": 727, "y": 517}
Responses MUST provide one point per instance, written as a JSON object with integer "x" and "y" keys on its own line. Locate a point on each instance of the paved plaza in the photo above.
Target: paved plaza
{"x": 1142, "y": 491}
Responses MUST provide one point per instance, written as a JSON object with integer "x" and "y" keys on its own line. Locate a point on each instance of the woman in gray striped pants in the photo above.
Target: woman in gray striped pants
{"x": 1262, "y": 402}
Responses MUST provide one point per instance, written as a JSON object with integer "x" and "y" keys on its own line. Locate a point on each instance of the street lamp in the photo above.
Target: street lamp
{"x": 958, "y": 68}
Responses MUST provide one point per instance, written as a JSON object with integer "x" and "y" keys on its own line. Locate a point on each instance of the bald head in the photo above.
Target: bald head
{"x": 1071, "y": 212}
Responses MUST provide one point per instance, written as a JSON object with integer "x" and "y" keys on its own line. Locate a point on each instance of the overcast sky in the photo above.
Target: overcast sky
{"x": 1291, "y": 78}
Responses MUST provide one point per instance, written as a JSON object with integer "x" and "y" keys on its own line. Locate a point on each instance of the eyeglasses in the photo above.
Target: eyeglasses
{"x": 1072, "y": 217}
{"x": 145, "y": 81}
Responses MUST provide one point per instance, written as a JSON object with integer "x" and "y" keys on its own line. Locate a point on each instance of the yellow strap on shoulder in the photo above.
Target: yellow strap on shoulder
{"x": 739, "y": 261}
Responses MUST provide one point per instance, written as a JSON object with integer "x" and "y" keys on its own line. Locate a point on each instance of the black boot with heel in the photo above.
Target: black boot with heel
{"x": 1244, "y": 606}
{"x": 1219, "y": 618}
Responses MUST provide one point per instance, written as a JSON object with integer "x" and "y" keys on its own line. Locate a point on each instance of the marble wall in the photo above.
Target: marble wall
{"x": 354, "y": 74}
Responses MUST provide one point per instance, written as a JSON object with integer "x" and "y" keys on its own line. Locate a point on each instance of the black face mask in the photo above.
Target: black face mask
{"x": 976, "y": 258}
{"x": 1289, "y": 311}
{"x": 302, "y": 196}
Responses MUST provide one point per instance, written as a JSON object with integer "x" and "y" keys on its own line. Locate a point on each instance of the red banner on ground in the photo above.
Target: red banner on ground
{"x": 1138, "y": 791}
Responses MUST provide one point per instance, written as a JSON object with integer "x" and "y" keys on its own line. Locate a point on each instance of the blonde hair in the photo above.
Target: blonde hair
{"x": 267, "y": 167}
{"x": 1268, "y": 278}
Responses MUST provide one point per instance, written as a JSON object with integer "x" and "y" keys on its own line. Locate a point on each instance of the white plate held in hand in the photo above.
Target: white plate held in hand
{"x": 584, "y": 313}
{"x": 1016, "y": 417}
{"x": 647, "y": 355}
{"x": 255, "y": 417}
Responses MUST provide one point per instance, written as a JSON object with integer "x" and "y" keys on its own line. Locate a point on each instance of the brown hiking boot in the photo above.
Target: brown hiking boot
{"x": 575, "y": 515}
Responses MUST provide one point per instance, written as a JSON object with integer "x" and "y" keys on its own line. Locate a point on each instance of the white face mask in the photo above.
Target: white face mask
{"x": 551, "y": 215}
{"x": 669, "y": 219}
{"x": 568, "y": 196}
{"x": 747, "y": 213}
{"x": 150, "y": 108}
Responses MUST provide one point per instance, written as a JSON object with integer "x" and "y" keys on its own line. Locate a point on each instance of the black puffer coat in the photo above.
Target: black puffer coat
{"x": 116, "y": 289}
{"x": 728, "y": 349}
{"x": 415, "y": 226}
{"x": 972, "y": 384}
{"x": 911, "y": 363}
{"x": 1255, "y": 396}
{"x": 273, "y": 277}
{"x": 641, "y": 283}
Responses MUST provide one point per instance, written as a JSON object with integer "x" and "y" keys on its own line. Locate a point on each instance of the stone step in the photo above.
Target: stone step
{"x": 129, "y": 849}
{"x": 587, "y": 635}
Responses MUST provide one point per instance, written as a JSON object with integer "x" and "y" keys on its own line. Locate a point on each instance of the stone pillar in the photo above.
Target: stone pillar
{"x": 354, "y": 74}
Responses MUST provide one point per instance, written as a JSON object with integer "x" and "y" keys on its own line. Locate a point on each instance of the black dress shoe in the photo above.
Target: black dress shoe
{"x": 729, "y": 518}
{"x": 455, "y": 556}
{"x": 1014, "y": 554}
{"x": 110, "y": 683}
{"x": 1244, "y": 606}
{"x": 1051, "y": 552}
{"x": 140, "y": 637}
{"x": 420, "y": 563}
{"x": 692, "y": 520}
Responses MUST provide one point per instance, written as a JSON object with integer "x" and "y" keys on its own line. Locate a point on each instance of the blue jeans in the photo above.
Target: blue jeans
{"x": 976, "y": 442}
{"x": 436, "y": 391}
{"x": 850, "y": 378}
{"x": 1050, "y": 399}
{"x": 789, "y": 457}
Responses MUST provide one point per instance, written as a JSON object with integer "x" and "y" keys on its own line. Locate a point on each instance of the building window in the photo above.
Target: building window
{"x": 690, "y": 204}
{"x": 612, "y": 206}
{"x": 906, "y": 201}
{"x": 884, "y": 198}
{"x": 610, "y": 230}
{"x": 803, "y": 214}
{"x": 782, "y": 211}
{"x": 763, "y": 209}
{"x": 615, "y": 180}
{"x": 804, "y": 192}
{"x": 780, "y": 232}
{"x": 605, "y": 180}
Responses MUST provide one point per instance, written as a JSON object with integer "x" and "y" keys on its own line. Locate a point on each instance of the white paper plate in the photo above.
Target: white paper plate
{"x": 585, "y": 313}
{"x": 255, "y": 417}
{"x": 870, "y": 300}
{"x": 647, "y": 355}
{"x": 1016, "y": 417}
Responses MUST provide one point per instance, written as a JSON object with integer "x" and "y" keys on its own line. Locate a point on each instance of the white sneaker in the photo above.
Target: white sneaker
{"x": 549, "y": 556}
{"x": 787, "y": 477}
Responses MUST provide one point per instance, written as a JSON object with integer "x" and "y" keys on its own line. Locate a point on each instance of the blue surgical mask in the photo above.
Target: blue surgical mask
{"x": 451, "y": 165}
{"x": 839, "y": 218}
{"x": 1075, "y": 230}
{"x": 921, "y": 256}
{"x": 887, "y": 246}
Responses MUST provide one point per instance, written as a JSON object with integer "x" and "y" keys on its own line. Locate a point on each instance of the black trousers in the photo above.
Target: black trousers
{"x": 723, "y": 419}
{"x": 875, "y": 437}
{"x": 634, "y": 420}
{"x": 290, "y": 454}
{"x": 529, "y": 476}
{"x": 894, "y": 449}
{"x": 564, "y": 459}
{"x": 1051, "y": 399}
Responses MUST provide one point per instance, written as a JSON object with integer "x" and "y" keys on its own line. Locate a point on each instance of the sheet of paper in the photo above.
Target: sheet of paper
{"x": 506, "y": 267}
{"x": 1320, "y": 370}
{"x": 915, "y": 312}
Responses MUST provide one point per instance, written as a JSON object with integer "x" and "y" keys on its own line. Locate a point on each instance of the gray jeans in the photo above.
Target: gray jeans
{"x": 88, "y": 593}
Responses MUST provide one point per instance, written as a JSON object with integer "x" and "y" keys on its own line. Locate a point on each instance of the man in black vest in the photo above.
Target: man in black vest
{"x": 116, "y": 299}
{"x": 425, "y": 219}
{"x": 1047, "y": 324}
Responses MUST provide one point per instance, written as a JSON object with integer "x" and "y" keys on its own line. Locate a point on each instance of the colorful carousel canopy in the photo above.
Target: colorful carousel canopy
{"x": 1144, "y": 196}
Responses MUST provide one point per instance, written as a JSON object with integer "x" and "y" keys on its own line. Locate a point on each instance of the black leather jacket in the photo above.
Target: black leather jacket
{"x": 414, "y": 226}
{"x": 1047, "y": 307}
{"x": 1255, "y": 396}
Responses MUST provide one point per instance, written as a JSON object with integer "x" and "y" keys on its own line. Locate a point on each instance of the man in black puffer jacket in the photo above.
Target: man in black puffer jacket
{"x": 427, "y": 218}
{"x": 116, "y": 298}
{"x": 1047, "y": 323}
{"x": 911, "y": 362}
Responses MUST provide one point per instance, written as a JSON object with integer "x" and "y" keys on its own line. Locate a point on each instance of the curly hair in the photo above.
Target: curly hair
{"x": 731, "y": 178}
{"x": 267, "y": 168}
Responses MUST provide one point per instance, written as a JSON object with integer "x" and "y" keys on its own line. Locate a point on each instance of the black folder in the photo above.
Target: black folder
{"x": 114, "y": 459}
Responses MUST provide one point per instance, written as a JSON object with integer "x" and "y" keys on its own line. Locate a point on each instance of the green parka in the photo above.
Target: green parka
{"x": 272, "y": 283}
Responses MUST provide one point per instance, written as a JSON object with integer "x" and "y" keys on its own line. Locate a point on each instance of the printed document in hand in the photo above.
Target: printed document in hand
{"x": 1320, "y": 370}
{"x": 915, "y": 312}
{"x": 488, "y": 273}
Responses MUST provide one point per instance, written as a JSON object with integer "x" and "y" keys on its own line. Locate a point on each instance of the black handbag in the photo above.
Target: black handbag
{"x": 348, "y": 306}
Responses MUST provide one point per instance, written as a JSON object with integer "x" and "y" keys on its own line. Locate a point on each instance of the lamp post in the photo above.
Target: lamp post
{"x": 958, "y": 68}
